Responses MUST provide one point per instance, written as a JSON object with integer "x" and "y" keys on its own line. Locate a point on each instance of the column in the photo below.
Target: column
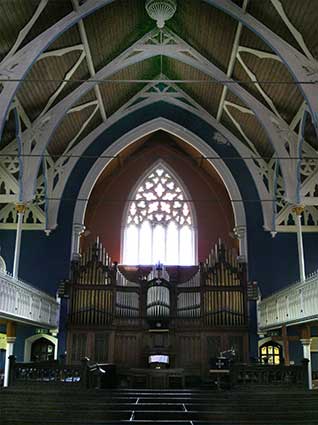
{"x": 11, "y": 332}
{"x": 298, "y": 210}
{"x": 78, "y": 229}
{"x": 20, "y": 208}
{"x": 306, "y": 351}
{"x": 286, "y": 345}
{"x": 240, "y": 233}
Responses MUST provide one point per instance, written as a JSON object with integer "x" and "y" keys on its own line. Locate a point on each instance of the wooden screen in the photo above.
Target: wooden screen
{"x": 198, "y": 309}
{"x": 92, "y": 293}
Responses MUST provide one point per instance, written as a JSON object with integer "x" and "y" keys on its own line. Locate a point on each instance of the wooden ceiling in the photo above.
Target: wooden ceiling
{"x": 113, "y": 28}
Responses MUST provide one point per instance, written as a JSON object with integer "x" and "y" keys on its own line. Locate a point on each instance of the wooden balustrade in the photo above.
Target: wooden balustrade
{"x": 51, "y": 372}
{"x": 257, "y": 374}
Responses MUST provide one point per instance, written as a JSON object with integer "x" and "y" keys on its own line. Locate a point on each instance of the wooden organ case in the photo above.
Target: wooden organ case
{"x": 126, "y": 314}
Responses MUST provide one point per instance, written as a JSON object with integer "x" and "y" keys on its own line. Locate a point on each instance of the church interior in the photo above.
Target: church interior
{"x": 158, "y": 212}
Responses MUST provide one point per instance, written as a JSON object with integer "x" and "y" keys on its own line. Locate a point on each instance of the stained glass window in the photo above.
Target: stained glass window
{"x": 271, "y": 353}
{"x": 159, "y": 222}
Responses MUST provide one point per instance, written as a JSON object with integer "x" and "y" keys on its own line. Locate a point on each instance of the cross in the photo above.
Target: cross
{"x": 219, "y": 364}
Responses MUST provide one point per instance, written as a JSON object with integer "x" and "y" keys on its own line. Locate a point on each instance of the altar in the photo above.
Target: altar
{"x": 156, "y": 378}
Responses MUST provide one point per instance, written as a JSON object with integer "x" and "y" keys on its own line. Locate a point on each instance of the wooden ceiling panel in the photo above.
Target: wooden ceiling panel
{"x": 251, "y": 127}
{"x": 45, "y": 78}
{"x": 207, "y": 29}
{"x": 70, "y": 127}
{"x": 116, "y": 94}
{"x": 228, "y": 123}
{"x": 278, "y": 84}
{"x": 15, "y": 14}
{"x": 114, "y": 28}
{"x": 205, "y": 93}
{"x": 302, "y": 14}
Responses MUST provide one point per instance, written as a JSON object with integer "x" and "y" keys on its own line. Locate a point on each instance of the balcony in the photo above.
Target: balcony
{"x": 297, "y": 303}
{"x": 23, "y": 303}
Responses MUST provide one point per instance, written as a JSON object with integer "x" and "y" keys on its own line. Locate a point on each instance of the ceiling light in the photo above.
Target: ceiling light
{"x": 161, "y": 10}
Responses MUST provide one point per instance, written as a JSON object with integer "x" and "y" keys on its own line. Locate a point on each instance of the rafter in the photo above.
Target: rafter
{"x": 25, "y": 30}
{"x": 277, "y": 130}
{"x": 300, "y": 66}
{"x": 231, "y": 64}
{"x": 15, "y": 67}
{"x": 151, "y": 93}
{"x": 295, "y": 33}
{"x": 89, "y": 61}
{"x": 253, "y": 78}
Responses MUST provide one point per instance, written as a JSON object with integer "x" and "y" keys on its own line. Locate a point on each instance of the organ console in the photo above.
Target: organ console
{"x": 123, "y": 314}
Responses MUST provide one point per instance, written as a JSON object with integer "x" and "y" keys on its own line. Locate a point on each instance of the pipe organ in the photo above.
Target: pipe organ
{"x": 158, "y": 293}
{"x": 124, "y": 314}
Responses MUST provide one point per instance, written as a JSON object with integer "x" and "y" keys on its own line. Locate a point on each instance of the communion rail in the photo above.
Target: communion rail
{"x": 23, "y": 303}
{"x": 297, "y": 303}
{"x": 94, "y": 375}
{"x": 56, "y": 373}
{"x": 259, "y": 374}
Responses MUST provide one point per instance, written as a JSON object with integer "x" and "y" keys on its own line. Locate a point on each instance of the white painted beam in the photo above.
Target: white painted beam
{"x": 89, "y": 60}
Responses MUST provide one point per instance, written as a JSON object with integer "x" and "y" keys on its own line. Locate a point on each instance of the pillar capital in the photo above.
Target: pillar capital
{"x": 78, "y": 228}
{"x": 240, "y": 234}
{"x": 20, "y": 208}
{"x": 240, "y": 231}
{"x": 298, "y": 209}
{"x": 305, "y": 341}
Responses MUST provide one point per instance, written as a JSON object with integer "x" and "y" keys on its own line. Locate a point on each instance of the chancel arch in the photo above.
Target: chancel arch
{"x": 188, "y": 138}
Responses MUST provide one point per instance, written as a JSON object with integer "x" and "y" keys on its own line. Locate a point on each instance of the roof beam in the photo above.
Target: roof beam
{"x": 277, "y": 130}
{"x": 89, "y": 61}
{"x": 231, "y": 64}
{"x": 65, "y": 165}
{"x": 302, "y": 68}
{"x": 16, "y": 66}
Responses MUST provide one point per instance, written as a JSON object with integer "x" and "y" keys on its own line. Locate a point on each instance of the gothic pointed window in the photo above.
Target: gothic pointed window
{"x": 159, "y": 221}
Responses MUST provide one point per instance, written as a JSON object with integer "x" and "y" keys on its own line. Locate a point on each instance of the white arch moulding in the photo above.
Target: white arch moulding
{"x": 302, "y": 68}
{"x": 277, "y": 130}
{"x": 16, "y": 66}
{"x": 189, "y": 138}
{"x": 31, "y": 339}
{"x": 191, "y": 106}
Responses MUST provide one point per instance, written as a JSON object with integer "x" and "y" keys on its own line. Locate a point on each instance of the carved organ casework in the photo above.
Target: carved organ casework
{"x": 183, "y": 315}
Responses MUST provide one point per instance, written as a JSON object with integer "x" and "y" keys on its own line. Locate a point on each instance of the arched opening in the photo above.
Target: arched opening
{"x": 271, "y": 353}
{"x": 214, "y": 214}
{"x": 158, "y": 224}
{"x": 42, "y": 350}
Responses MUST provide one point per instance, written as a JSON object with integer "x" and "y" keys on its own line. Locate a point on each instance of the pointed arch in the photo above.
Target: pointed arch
{"x": 159, "y": 214}
{"x": 188, "y": 137}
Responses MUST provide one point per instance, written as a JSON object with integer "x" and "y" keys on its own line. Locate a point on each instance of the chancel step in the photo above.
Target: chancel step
{"x": 42, "y": 405}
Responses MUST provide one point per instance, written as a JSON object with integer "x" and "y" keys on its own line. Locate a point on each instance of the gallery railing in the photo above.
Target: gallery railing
{"x": 296, "y": 303}
{"x": 50, "y": 372}
{"x": 257, "y": 374}
{"x": 22, "y": 302}
{"x": 86, "y": 375}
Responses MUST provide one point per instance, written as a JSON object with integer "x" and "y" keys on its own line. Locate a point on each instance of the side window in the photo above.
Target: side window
{"x": 271, "y": 353}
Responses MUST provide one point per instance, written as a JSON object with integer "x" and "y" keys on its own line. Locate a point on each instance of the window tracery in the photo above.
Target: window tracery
{"x": 159, "y": 223}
